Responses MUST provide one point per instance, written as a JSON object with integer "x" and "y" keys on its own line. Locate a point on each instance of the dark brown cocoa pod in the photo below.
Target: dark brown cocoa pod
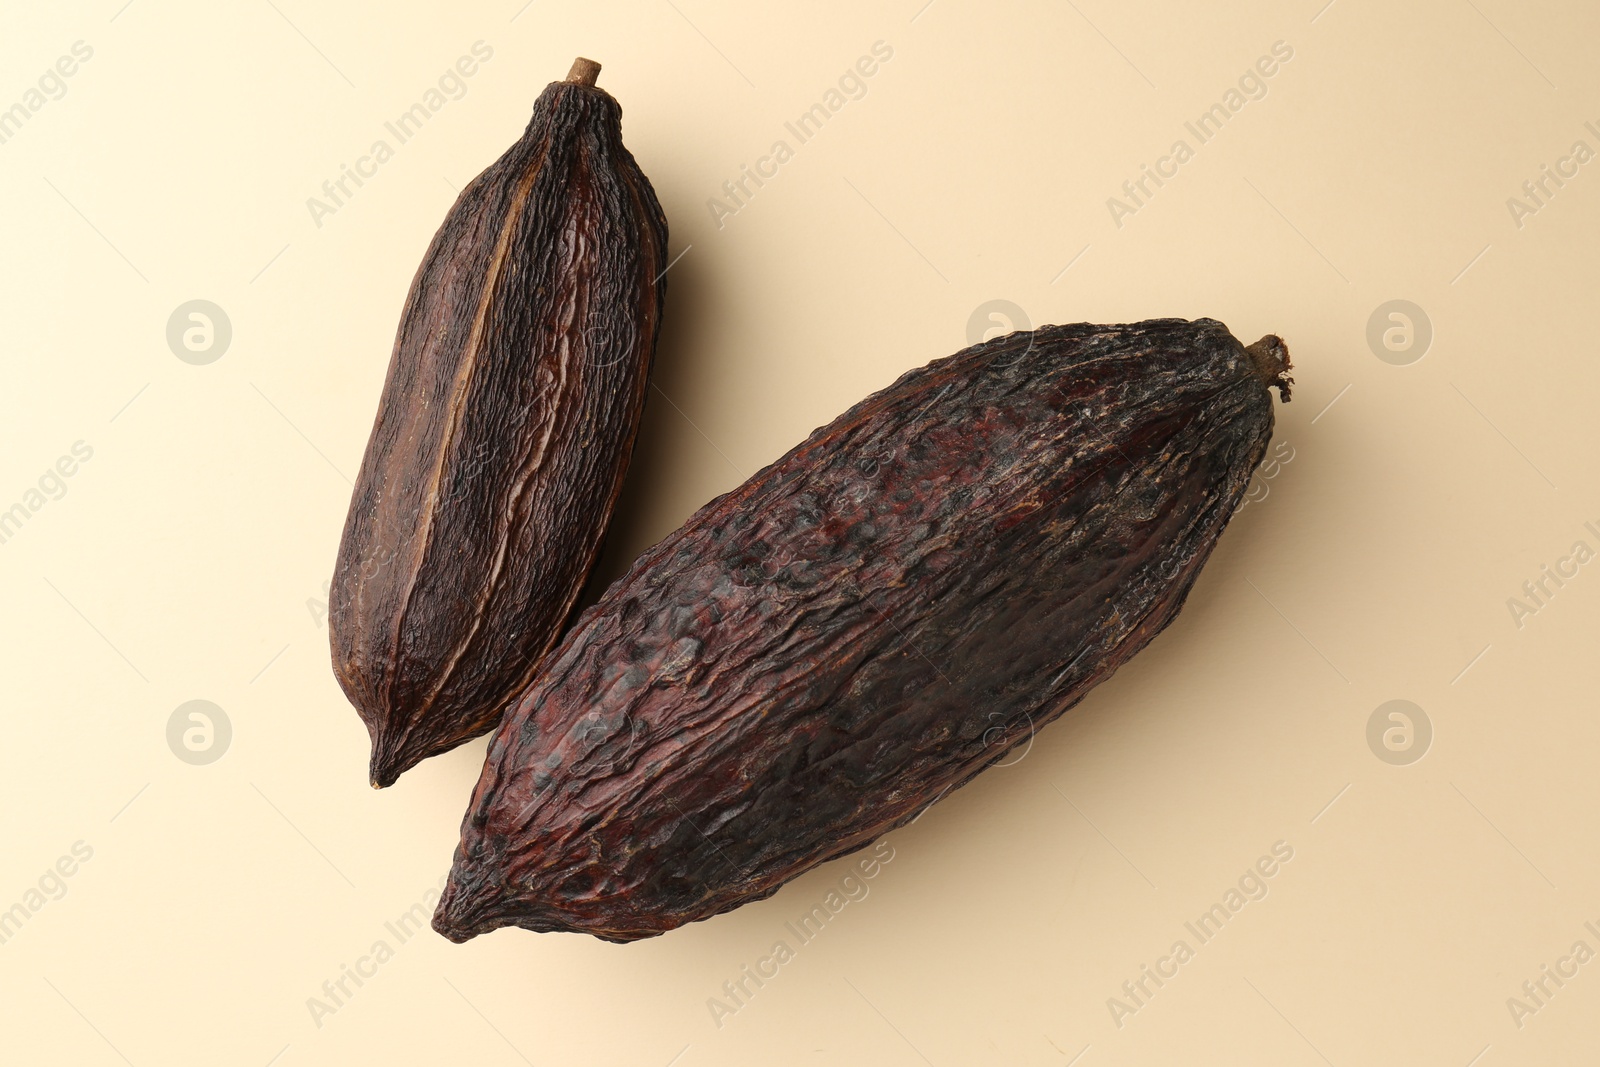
{"x": 864, "y": 625}
{"x": 508, "y": 416}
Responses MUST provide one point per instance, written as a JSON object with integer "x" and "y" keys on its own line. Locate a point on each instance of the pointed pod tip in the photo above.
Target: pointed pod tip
{"x": 448, "y": 930}
{"x": 449, "y": 919}
{"x": 475, "y": 896}
{"x": 384, "y": 770}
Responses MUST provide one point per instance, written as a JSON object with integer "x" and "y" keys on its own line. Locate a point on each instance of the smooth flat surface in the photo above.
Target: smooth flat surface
{"x": 1384, "y": 557}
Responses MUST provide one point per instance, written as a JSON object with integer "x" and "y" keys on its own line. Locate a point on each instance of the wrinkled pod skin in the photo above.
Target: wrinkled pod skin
{"x": 507, "y": 420}
{"x": 820, "y": 654}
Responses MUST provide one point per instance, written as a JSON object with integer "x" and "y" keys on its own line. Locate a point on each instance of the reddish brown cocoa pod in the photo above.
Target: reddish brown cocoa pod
{"x": 817, "y": 656}
{"x": 510, "y": 410}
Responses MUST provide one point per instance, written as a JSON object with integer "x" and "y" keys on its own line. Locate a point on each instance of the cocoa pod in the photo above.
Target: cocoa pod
{"x": 512, "y": 402}
{"x": 817, "y": 656}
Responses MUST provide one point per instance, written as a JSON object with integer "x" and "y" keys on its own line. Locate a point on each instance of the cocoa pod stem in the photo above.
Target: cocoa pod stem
{"x": 583, "y": 72}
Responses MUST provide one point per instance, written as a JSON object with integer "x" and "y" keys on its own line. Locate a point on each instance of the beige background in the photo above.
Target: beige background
{"x": 188, "y": 556}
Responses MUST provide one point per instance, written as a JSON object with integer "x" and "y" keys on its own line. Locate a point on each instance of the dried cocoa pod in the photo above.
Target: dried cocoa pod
{"x": 508, "y": 416}
{"x": 864, "y": 625}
